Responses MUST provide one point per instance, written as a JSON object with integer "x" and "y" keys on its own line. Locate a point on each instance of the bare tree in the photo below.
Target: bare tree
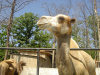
{"x": 90, "y": 9}
{"x": 84, "y": 16}
{"x": 97, "y": 20}
{"x": 14, "y": 6}
{"x": 55, "y": 9}
{"x": 98, "y": 24}
{"x": 9, "y": 26}
{"x": 6, "y": 5}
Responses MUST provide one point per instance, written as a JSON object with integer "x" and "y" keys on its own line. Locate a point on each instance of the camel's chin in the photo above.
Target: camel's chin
{"x": 42, "y": 28}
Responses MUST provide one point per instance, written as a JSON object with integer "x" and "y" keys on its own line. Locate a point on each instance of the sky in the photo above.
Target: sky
{"x": 37, "y": 7}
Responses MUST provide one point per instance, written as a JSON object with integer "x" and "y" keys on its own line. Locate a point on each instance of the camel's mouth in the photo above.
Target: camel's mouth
{"x": 42, "y": 26}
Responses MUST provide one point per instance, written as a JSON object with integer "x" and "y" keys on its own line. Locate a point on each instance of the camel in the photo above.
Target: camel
{"x": 10, "y": 67}
{"x": 68, "y": 62}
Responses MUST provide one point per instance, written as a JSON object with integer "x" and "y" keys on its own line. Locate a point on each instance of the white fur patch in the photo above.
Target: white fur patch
{"x": 64, "y": 30}
{"x": 54, "y": 21}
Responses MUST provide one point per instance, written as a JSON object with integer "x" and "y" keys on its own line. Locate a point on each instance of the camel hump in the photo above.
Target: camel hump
{"x": 76, "y": 54}
{"x": 73, "y": 44}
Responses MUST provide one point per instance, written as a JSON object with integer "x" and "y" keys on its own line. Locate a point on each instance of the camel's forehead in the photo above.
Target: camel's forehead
{"x": 55, "y": 17}
{"x": 61, "y": 15}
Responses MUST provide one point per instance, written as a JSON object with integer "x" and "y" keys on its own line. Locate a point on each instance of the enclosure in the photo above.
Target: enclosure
{"x": 39, "y": 59}
{"x": 22, "y": 39}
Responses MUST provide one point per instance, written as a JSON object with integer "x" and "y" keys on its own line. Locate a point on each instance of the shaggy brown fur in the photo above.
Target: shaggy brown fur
{"x": 20, "y": 66}
{"x": 10, "y": 67}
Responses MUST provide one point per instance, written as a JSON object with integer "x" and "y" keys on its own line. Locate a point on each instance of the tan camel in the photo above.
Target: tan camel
{"x": 10, "y": 67}
{"x": 68, "y": 62}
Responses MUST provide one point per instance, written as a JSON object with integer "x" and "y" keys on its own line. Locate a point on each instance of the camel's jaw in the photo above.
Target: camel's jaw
{"x": 43, "y": 26}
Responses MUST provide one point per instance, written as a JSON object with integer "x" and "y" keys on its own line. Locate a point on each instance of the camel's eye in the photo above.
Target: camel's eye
{"x": 61, "y": 19}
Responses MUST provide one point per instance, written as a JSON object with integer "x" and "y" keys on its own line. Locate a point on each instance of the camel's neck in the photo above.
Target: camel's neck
{"x": 63, "y": 43}
{"x": 63, "y": 59}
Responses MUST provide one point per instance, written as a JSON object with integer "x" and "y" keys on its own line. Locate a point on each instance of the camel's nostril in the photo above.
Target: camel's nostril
{"x": 40, "y": 23}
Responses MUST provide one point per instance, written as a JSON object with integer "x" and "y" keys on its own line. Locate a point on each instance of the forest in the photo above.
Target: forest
{"x": 21, "y": 30}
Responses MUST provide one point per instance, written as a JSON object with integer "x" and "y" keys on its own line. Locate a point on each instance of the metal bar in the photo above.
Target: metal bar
{"x": 96, "y": 49}
{"x": 38, "y": 54}
{"x": 30, "y": 56}
{"x": 12, "y": 48}
{"x": 53, "y": 59}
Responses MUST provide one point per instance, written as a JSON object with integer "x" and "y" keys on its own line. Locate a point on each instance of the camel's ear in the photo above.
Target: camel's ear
{"x": 9, "y": 61}
{"x": 22, "y": 63}
{"x": 73, "y": 20}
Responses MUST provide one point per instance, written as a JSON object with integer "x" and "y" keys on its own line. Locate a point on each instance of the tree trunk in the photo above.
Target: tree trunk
{"x": 9, "y": 26}
{"x": 87, "y": 35}
{"x": 98, "y": 26}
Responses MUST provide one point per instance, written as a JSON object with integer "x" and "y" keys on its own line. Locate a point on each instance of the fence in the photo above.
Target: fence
{"x": 50, "y": 49}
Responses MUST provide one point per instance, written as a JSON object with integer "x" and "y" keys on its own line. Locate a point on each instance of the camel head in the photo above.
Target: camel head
{"x": 60, "y": 24}
{"x": 11, "y": 67}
